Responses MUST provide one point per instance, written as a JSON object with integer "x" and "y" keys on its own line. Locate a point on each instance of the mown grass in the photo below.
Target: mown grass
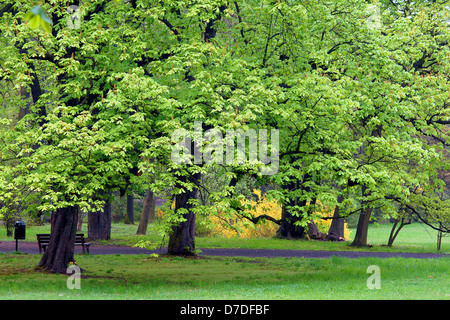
{"x": 145, "y": 277}
{"x": 412, "y": 238}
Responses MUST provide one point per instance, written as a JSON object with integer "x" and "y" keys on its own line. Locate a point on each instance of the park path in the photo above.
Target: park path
{"x": 32, "y": 248}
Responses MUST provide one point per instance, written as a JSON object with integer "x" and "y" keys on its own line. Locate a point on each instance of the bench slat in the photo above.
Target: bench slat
{"x": 44, "y": 238}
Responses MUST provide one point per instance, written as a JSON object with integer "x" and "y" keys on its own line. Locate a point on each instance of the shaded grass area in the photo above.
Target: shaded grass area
{"x": 165, "y": 277}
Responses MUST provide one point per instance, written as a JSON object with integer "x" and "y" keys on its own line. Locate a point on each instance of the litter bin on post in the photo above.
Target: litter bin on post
{"x": 19, "y": 232}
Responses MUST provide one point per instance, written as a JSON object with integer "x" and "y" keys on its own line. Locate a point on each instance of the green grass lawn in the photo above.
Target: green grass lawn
{"x": 145, "y": 277}
{"x": 412, "y": 238}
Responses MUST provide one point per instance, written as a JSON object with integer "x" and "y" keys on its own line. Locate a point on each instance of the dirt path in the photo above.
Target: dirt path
{"x": 32, "y": 248}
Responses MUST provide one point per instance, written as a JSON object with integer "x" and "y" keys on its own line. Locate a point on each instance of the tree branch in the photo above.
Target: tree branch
{"x": 412, "y": 209}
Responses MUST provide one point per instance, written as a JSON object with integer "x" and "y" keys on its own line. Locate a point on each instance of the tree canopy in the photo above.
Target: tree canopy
{"x": 358, "y": 91}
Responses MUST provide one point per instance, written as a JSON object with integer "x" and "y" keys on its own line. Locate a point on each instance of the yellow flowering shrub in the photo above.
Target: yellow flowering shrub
{"x": 159, "y": 214}
{"x": 243, "y": 228}
{"x": 220, "y": 226}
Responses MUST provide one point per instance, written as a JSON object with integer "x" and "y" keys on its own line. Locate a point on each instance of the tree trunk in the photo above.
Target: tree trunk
{"x": 439, "y": 238}
{"x": 9, "y": 224}
{"x": 336, "y": 231}
{"x": 130, "y": 209}
{"x": 148, "y": 212}
{"x": 62, "y": 240}
{"x": 99, "y": 223}
{"x": 362, "y": 228}
{"x": 394, "y": 233}
{"x": 288, "y": 229}
{"x": 313, "y": 231}
{"x": 80, "y": 221}
{"x": 23, "y": 111}
{"x": 182, "y": 238}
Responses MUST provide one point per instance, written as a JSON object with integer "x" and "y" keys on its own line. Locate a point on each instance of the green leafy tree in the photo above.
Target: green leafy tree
{"x": 353, "y": 102}
{"x": 84, "y": 136}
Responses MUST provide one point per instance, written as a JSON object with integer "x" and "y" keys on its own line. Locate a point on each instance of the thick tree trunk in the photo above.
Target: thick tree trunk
{"x": 313, "y": 232}
{"x": 182, "y": 238}
{"x": 130, "y": 209}
{"x": 362, "y": 228}
{"x": 336, "y": 231}
{"x": 99, "y": 223}
{"x": 62, "y": 240}
{"x": 287, "y": 228}
{"x": 148, "y": 212}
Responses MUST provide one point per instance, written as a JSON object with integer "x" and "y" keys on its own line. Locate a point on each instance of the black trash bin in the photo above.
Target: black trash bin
{"x": 19, "y": 230}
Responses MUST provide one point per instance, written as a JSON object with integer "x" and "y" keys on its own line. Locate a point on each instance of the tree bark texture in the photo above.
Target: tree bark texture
{"x": 60, "y": 249}
{"x": 336, "y": 231}
{"x": 362, "y": 228}
{"x": 99, "y": 223}
{"x": 288, "y": 229}
{"x": 182, "y": 238}
{"x": 148, "y": 212}
{"x": 130, "y": 209}
{"x": 313, "y": 231}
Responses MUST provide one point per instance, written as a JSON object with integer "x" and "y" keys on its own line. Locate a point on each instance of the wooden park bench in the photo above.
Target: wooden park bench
{"x": 44, "y": 238}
